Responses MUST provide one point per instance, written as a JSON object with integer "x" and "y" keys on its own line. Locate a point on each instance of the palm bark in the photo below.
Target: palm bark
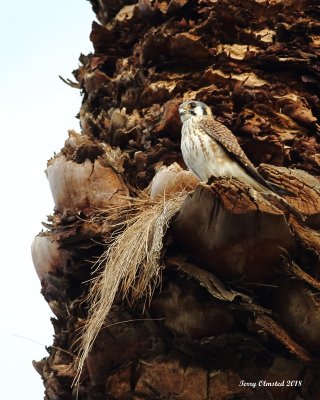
{"x": 239, "y": 299}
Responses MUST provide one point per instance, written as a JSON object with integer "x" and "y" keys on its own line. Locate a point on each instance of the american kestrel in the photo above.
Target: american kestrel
{"x": 209, "y": 148}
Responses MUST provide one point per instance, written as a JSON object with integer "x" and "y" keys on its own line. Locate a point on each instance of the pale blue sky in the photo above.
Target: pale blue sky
{"x": 39, "y": 40}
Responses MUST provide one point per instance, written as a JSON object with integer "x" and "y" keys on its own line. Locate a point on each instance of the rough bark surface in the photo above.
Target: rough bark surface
{"x": 239, "y": 299}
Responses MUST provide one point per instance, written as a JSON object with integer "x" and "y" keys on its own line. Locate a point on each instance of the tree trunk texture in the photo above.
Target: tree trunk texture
{"x": 237, "y": 312}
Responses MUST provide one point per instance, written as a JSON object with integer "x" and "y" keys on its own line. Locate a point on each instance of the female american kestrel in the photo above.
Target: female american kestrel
{"x": 209, "y": 149}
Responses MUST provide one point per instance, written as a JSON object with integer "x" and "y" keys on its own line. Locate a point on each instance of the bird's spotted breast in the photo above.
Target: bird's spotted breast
{"x": 202, "y": 154}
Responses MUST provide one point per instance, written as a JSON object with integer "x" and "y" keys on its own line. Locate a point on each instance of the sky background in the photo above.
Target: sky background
{"x": 39, "y": 40}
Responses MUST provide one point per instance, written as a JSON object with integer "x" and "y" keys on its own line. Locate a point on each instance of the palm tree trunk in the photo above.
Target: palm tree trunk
{"x": 229, "y": 307}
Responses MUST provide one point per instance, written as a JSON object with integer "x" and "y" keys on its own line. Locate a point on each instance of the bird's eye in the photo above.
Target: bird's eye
{"x": 192, "y": 105}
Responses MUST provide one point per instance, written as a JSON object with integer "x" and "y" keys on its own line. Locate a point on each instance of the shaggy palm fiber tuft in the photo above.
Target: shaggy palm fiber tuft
{"x": 132, "y": 263}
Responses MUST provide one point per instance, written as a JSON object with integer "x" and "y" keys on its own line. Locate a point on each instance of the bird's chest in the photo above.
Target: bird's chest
{"x": 201, "y": 153}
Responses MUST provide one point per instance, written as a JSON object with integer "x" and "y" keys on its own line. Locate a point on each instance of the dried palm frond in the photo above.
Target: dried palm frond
{"x": 132, "y": 262}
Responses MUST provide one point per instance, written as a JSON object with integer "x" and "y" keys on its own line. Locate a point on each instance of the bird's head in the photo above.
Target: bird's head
{"x": 191, "y": 108}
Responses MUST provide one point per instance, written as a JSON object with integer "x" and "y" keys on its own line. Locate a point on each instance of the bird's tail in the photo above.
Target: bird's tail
{"x": 280, "y": 190}
{"x": 282, "y": 202}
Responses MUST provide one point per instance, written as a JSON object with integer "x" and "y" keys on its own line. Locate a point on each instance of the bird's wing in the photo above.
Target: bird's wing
{"x": 229, "y": 142}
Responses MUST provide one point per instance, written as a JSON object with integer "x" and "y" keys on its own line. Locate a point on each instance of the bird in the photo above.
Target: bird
{"x": 209, "y": 149}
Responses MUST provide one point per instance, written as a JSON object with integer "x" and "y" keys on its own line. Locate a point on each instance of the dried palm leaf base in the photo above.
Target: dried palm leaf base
{"x": 132, "y": 263}
{"x": 228, "y": 228}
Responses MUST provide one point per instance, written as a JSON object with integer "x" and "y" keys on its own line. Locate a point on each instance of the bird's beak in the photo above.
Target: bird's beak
{"x": 182, "y": 111}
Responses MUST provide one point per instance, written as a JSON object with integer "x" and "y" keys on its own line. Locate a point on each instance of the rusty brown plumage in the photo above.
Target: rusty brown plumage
{"x": 229, "y": 142}
{"x": 210, "y": 149}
